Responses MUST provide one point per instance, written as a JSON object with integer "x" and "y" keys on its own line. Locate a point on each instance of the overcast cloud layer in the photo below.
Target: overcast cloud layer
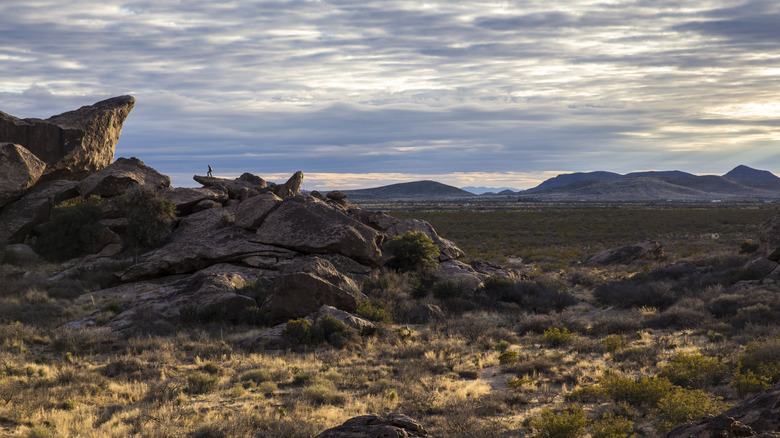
{"x": 364, "y": 93}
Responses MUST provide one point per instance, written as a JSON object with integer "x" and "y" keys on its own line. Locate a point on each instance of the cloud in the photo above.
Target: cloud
{"x": 397, "y": 87}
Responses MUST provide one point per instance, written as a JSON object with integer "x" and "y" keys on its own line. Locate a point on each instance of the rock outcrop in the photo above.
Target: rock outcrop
{"x": 211, "y": 292}
{"x": 392, "y": 227}
{"x": 373, "y": 426}
{"x": 18, "y": 218}
{"x": 122, "y": 176}
{"x": 769, "y": 238}
{"x": 648, "y": 249}
{"x": 20, "y": 169}
{"x": 291, "y": 188}
{"x": 186, "y": 198}
{"x": 245, "y": 186}
{"x": 305, "y": 285}
{"x": 313, "y": 227}
{"x": 758, "y": 416}
{"x": 73, "y": 144}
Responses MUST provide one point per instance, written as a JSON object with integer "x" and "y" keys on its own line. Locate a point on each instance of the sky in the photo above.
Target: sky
{"x": 373, "y": 92}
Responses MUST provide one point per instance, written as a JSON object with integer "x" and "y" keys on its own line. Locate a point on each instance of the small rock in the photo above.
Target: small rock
{"x": 336, "y": 195}
{"x": 425, "y": 313}
{"x": 19, "y": 254}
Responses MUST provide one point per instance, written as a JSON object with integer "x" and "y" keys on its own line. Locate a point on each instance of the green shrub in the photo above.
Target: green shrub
{"x": 748, "y": 247}
{"x": 586, "y": 394}
{"x": 542, "y": 295}
{"x": 748, "y": 382}
{"x": 642, "y": 392}
{"x": 681, "y": 405}
{"x": 555, "y": 337}
{"x": 150, "y": 218}
{"x": 255, "y": 290}
{"x": 762, "y": 357}
{"x": 304, "y": 332}
{"x": 567, "y": 423}
{"x": 502, "y": 345}
{"x": 210, "y": 368}
{"x": 72, "y": 230}
{"x": 446, "y": 289}
{"x": 38, "y": 432}
{"x": 374, "y": 310}
{"x": 519, "y": 382}
{"x": 612, "y": 426}
{"x": 201, "y": 383}
{"x": 613, "y": 343}
{"x": 326, "y": 326}
{"x": 379, "y": 283}
{"x": 298, "y": 330}
{"x": 255, "y": 376}
{"x": 508, "y": 357}
{"x": 414, "y": 251}
{"x": 322, "y": 393}
{"x": 694, "y": 370}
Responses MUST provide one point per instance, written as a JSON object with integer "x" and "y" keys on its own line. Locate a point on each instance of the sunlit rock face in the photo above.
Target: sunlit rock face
{"x": 73, "y": 144}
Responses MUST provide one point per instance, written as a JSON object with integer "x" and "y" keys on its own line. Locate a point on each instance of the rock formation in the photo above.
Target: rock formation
{"x": 306, "y": 253}
{"x": 73, "y": 144}
{"x": 373, "y": 426}
{"x": 758, "y": 416}
{"x": 627, "y": 254}
{"x": 243, "y": 187}
{"x": 20, "y": 169}
{"x": 18, "y": 218}
{"x": 122, "y": 176}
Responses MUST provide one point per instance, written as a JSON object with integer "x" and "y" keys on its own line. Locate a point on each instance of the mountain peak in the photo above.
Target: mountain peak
{"x": 745, "y": 172}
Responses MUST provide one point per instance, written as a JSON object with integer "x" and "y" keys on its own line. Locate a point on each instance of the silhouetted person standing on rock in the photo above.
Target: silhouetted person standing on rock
{"x": 210, "y": 169}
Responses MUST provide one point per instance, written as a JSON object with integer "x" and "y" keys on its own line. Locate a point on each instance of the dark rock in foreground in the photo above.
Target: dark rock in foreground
{"x": 375, "y": 426}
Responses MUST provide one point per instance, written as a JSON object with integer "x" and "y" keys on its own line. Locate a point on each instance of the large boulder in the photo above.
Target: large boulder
{"x": 18, "y": 218}
{"x": 310, "y": 226}
{"x": 648, "y": 249}
{"x": 769, "y": 238}
{"x": 19, "y": 170}
{"x": 252, "y": 211}
{"x": 166, "y": 300}
{"x": 73, "y": 144}
{"x": 461, "y": 274}
{"x": 398, "y": 227}
{"x": 185, "y": 198}
{"x": 374, "y": 426}
{"x": 758, "y": 416}
{"x": 122, "y": 176}
{"x": 202, "y": 240}
{"x": 306, "y": 284}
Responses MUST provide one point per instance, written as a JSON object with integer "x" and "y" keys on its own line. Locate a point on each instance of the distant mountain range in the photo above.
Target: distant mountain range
{"x": 418, "y": 190}
{"x": 740, "y": 184}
